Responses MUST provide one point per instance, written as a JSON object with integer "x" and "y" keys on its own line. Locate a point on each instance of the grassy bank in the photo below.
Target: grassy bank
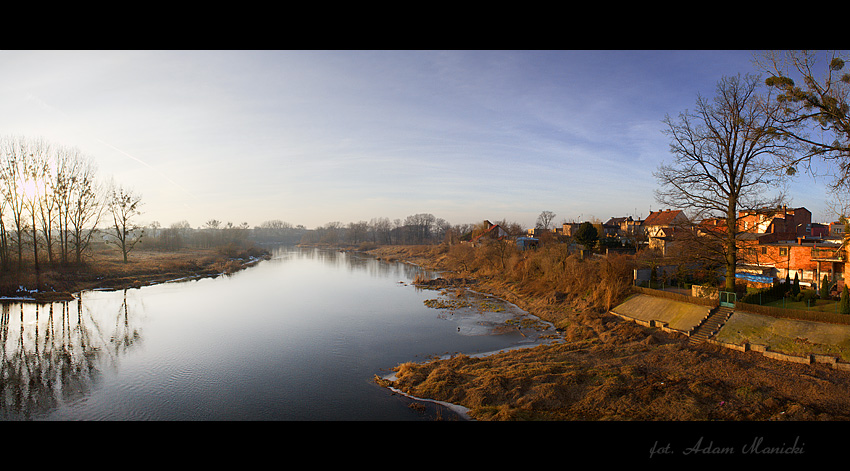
{"x": 604, "y": 368}
{"x": 106, "y": 269}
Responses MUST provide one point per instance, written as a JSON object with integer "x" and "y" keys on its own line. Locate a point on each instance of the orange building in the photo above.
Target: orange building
{"x": 795, "y": 221}
{"x": 808, "y": 259}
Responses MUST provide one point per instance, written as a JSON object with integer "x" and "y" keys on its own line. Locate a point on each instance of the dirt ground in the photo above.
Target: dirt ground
{"x": 609, "y": 369}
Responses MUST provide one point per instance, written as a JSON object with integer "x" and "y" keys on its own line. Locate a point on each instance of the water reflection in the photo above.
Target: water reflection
{"x": 352, "y": 262}
{"x": 298, "y": 337}
{"x": 56, "y": 353}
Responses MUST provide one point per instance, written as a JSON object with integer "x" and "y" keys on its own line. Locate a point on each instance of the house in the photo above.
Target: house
{"x": 493, "y": 232}
{"x": 660, "y": 227}
{"x": 836, "y": 229}
{"x": 537, "y": 232}
{"x": 626, "y": 226}
{"x": 607, "y": 230}
{"x": 795, "y": 221}
{"x": 658, "y": 220}
{"x": 569, "y": 228}
{"x": 809, "y": 259}
{"x": 818, "y": 230}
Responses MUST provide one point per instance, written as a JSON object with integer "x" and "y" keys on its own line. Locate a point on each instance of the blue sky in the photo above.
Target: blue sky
{"x": 311, "y": 137}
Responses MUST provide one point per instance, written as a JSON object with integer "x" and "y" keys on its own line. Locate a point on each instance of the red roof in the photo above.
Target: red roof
{"x": 661, "y": 218}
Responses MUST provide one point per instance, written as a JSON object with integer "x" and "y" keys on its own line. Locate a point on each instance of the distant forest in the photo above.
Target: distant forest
{"x": 420, "y": 228}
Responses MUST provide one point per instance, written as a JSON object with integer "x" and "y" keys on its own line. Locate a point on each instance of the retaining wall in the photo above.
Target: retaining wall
{"x": 834, "y": 362}
{"x": 653, "y": 323}
{"x": 810, "y": 359}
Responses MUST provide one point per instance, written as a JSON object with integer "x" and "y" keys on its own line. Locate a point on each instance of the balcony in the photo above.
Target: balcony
{"x": 828, "y": 254}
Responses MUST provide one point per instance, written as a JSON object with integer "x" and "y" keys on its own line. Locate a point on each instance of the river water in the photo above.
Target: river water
{"x": 297, "y": 337}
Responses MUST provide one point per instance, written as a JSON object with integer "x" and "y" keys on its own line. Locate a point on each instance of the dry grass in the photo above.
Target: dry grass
{"x": 605, "y": 369}
{"x": 641, "y": 376}
{"x": 106, "y": 269}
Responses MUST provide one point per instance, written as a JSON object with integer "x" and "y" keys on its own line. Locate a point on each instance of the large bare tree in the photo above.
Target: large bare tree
{"x": 813, "y": 91}
{"x": 14, "y": 162}
{"x": 725, "y": 159}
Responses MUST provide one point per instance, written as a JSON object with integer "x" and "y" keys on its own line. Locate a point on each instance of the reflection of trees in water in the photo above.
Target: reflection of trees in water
{"x": 54, "y": 353}
{"x": 354, "y": 261}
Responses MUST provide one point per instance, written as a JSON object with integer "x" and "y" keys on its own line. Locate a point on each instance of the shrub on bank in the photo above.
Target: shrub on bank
{"x": 596, "y": 282}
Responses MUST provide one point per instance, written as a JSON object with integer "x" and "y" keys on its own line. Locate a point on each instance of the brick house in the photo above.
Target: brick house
{"x": 795, "y": 222}
{"x": 776, "y": 243}
{"x": 660, "y": 227}
{"x": 809, "y": 259}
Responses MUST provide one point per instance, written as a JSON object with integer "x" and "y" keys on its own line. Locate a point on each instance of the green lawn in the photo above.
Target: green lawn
{"x": 791, "y": 336}
{"x": 823, "y": 305}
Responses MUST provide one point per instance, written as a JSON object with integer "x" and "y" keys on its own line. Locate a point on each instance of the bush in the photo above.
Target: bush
{"x": 824, "y": 287}
{"x": 767, "y": 295}
{"x": 806, "y": 296}
{"x": 844, "y": 304}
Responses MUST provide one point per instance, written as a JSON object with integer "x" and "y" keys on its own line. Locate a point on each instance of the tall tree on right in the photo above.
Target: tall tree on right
{"x": 726, "y": 158}
{"x": 813, "y": 89}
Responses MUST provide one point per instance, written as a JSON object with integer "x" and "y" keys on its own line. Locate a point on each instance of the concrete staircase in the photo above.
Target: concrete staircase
{"x": 711, "y": 325}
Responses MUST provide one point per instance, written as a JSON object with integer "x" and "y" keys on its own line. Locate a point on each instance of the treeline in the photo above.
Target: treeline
{"x": 416, "y": 229}
{"x": 213, "y": 234}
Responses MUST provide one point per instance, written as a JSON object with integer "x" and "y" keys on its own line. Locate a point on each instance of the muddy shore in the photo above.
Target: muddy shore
{"x": 608, "y": 369}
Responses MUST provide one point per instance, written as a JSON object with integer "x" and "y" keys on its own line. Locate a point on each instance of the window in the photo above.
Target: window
{"x": 764, "y": 250}
{"x": 783, "y": 251}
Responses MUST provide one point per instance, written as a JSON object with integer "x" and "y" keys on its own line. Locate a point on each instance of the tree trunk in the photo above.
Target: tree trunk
{"x": 731, "y": 247}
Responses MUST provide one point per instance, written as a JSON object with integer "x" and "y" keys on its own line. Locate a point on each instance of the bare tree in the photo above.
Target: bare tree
{"x": 124, "y": 206}
{"x": 816, "y": 107}
{"x": 545, "y": 219}
{"x": 85, "y": 209}
{"x": 726, "y": 158}
{"x": 13, "y": 170}
{"x": 34, "y": 175}
{"x": 357, "y": 231}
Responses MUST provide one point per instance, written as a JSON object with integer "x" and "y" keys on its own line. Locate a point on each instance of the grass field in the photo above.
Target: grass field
{"x": 823, "y": 305}
{"x": 787, "y": 335}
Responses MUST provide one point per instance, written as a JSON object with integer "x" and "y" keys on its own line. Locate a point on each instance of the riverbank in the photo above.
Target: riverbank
{"x": 107, "y": 270}
{"x": 609, "y": 369}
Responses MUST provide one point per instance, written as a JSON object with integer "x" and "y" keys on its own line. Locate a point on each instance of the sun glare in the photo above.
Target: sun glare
{"x": 28, "y": 189}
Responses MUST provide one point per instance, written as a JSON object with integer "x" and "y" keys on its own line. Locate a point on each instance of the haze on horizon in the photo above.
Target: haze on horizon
{"x": 311, "y": 137}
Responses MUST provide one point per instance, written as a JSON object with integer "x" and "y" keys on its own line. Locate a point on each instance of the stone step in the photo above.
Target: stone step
{"x": 711, "y": 325}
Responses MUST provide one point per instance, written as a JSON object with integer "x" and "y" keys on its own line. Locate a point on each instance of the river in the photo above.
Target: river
{"x": 299, "y": 337}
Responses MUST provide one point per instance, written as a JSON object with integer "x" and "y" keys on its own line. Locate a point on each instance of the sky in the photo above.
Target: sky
{"x": 314, "y": 136}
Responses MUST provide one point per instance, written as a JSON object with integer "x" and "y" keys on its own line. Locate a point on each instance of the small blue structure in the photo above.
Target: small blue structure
{"x": 523, "y": 243}
{"x": 753, "y": 277}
